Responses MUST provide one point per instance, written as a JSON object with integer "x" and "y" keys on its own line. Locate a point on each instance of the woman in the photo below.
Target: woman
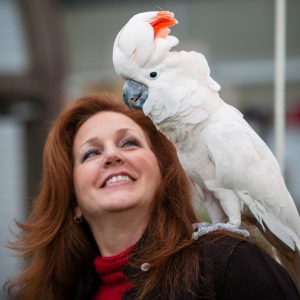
{"x": 113, "y": 220}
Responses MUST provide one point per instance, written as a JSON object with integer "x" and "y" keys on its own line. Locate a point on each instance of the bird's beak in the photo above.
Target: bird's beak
{"x": 135, "y": 94}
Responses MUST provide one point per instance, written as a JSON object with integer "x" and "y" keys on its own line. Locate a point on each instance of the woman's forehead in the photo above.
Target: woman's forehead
{"x": 107, "y": 122}
{"x": 114, "y": 120}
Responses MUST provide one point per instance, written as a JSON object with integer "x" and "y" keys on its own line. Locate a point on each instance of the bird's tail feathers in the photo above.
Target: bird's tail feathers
{"x": 270, "y": 222}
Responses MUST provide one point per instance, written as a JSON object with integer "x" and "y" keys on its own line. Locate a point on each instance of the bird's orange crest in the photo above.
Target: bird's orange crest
{"x": 161, "y": 23}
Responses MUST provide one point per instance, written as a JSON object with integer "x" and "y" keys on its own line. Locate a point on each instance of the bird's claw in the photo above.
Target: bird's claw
{"x": 204, "y": 228}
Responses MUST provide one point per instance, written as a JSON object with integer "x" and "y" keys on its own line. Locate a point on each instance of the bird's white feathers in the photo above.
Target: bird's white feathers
{"x": 218, "y": 149}
{"x": 136, "y": 47}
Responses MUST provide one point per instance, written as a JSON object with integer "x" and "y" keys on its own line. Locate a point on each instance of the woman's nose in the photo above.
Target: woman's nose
{"x": 113, "y": 158}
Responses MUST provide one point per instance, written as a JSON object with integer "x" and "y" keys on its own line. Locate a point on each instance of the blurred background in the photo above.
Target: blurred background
{"x": 53, "y": 51}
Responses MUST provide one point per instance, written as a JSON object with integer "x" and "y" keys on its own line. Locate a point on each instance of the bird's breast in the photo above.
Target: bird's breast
{"x": 197, "y": 162}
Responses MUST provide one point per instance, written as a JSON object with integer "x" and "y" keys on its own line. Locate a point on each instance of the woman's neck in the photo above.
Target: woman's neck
{"x": 118, "y": 232}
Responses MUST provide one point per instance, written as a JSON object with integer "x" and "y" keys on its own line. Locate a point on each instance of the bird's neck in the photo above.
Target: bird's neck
{"x": 188, "y": 119}
{"x": 176, "y": 130}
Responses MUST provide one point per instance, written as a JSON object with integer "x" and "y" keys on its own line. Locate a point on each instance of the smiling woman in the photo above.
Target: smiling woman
{"x": 109, "y": 178}
{"x": 116, "y": 176}
{"x": 114, "y": 220}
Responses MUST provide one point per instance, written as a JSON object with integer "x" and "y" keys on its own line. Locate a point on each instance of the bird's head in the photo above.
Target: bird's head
{"x": 158, "y": 80}
{"x": 139, "y": 51}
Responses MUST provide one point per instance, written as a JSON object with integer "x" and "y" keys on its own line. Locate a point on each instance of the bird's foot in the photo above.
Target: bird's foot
{"x": 204, "y": 228}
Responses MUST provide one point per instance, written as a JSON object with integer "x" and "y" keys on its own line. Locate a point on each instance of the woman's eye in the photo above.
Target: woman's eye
{"x": 90, "y": 154}
{"x": 130, "y": 143}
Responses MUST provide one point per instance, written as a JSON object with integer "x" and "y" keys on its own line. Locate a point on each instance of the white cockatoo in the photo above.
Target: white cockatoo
{"x": 218, "y": 149}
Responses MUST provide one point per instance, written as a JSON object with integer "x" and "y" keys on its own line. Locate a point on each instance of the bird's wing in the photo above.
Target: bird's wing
{"x": 244, "y": 164}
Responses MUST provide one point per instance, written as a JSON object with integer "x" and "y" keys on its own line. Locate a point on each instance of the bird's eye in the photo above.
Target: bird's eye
{"x": 153, "y": 74}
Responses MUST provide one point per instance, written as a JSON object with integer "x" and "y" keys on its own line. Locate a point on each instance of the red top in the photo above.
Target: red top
{"x": 110, "y": 270}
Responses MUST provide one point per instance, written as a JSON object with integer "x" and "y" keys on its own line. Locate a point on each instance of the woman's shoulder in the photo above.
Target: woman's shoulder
{"x": 213, "y": 244}
{"x": 239, "y": 269}
{"x": 216, "y": 249}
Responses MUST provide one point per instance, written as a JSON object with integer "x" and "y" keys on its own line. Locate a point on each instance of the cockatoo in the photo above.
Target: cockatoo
{"x": 225, "y": 158}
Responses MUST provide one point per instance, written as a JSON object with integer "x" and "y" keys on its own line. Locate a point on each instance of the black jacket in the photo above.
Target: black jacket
{"x": 233, "y": 270}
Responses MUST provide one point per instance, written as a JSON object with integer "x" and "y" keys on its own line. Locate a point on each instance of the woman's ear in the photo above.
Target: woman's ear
{"x": 78, "y": 212}
{"x": 78, "y": 216}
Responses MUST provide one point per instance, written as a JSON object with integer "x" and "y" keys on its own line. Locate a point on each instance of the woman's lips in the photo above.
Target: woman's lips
{"x": 117, "y": 178}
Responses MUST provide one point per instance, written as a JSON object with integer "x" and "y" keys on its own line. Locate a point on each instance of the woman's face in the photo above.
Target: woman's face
{"x": 114, "y": 168}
